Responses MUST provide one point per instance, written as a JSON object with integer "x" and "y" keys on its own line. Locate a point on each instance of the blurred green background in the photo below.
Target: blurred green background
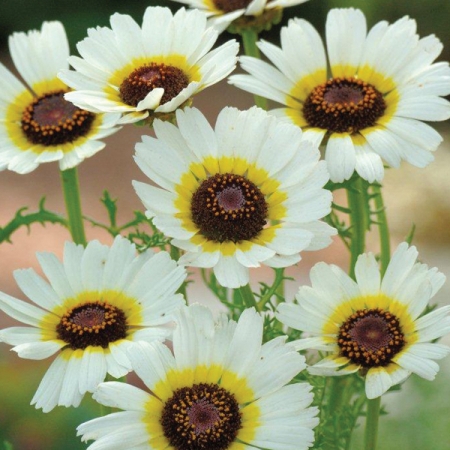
{"x": 424, "y": 425}
{"x": 21, "y": 15}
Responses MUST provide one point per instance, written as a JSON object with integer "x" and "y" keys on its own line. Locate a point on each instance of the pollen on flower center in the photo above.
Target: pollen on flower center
{"x": 201, "y": 417}
{"x": 52, "y": 120}
{"x": 150, "y": 76}
{"x": 371, "y": 337}
{"x": 96, "y": 323}
{"x": 228, "y": 207}
{"x": 344, "y": 105}
{"x": 231, "y": 5}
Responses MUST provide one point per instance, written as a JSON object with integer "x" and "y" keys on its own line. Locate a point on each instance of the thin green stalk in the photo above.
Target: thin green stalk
{"x": 249, "y": 38}
{"x": 371, "y": 431}
{"x": 357, "y": 204}
{"x": 358, "y": 405}
{"x": 175, "y": 254}
{"x": 71, "y": 189}
{"x": 248, "y": 297}
{"x": 383, "y": 229}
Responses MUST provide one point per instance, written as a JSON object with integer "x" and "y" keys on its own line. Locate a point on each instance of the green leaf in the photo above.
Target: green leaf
{"x": 21, "y": 219}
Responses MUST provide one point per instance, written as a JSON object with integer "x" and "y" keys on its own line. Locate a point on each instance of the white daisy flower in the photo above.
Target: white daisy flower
{"x": 150, "y": 70}
{"x": 222, "y": 13}
{"x": 220, "y": 390}
{"x": 369, "y": 104}
{"x": 373, "y": 326}
{"x": 36, "y": 124}
{"x": 247, "y": 192}
{"x": 100, "y": 301}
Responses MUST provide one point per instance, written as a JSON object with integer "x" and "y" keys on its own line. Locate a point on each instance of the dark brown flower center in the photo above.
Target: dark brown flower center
{"x": 50, "y": 120}
{"x": 97, "y": 324}
{"x": 371, "y": 337}
{"x": 228, "y": 207}
{"x": 231, "y": 5}
{"x": 344, "y": 105}
{"x": 201, "y": 417}
{"x": 150, "y": 76}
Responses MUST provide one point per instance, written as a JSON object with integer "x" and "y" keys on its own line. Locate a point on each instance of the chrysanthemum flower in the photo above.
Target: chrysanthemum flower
{"x": 222, "y": 13}
{"x": 36, "y": 124}
{"x": 248, "y": 191}
{"x": 373, "y": 326}
{"x": 369, "y": 104}
{"x": 100, "y": 301}
{"x": 150, "y": 70}
{"x": 220, "y": 390}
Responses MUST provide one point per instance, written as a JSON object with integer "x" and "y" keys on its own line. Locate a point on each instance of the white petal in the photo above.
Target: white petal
{"x": 254, "y": 255}
{"x": 401, "y": 263}
{"x": 378, "y": 382}
{"x": 322, "y": 234}
{"x": 367, "y": 274}
{"x": 92, "y": 369}
{"x": 230, "y": 273}
{"x": 92, "y": 265}
{"x": 122, "y": 396}
{"x": 39, "y": 56}
{"x": 200, "y": 259}
{"x": 423, "y": 367}
{"x": 20, "y": 335}
{"x": 333, "y": 283}
{"x": 151, "y": 101}
{"x": 70, "y": 394}
{"x": 433, "y": 325}
{"x": 151, "y": 362}
{"x": 368, "y": 164}
{"x": 416, "y": 132}
{"x": 248, "y": 335}
{"x": 317, "y": 343}
{"x": 37, "y": 350}
{"x": 429, "y": 350}
{"x": 54, "y": 271}
{"x": 345, "y": 31}
{"x": 290, "y": 239}
{"x": 47, "y": 394}
{"x": 22, "y": 311}
{"x": 121, "y": 254}
{"x": 264, "y": 378}
{"x": 340, "y": 157}
{"x": 37, "y": 289}
{"x": 384, "y": 143}
{"x": 279, "y": 261}
{"x": 102, "y": 426}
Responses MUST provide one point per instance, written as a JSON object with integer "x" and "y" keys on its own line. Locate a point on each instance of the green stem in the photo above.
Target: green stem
{"x": 371, "y": 432}
{"x": 357, "y": 204}
{"x": 71, "y": 189}
{"x": 337, "y": 388}
{"x": 249, "y": 38}
{"x": 277, "y": 287}
{"x": 383, "y": 229}
{"x": 248, "y": 297}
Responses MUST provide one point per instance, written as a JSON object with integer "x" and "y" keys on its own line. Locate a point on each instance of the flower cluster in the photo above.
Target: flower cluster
{"x": 250, "y": 190}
